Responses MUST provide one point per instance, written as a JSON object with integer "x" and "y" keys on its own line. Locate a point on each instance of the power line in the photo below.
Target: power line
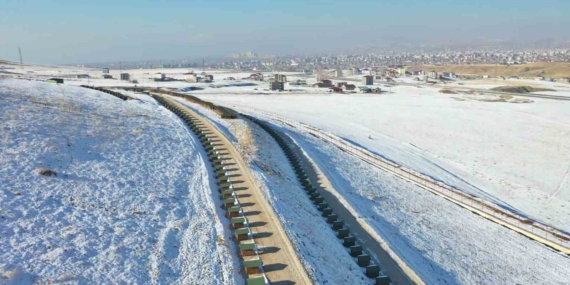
{"x": 21, "y": 61}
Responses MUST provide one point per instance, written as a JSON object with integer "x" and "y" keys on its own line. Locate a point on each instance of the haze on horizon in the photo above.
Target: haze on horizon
{"x": 102, "y": 31}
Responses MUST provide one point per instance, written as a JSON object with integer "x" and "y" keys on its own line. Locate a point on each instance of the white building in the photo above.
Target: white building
{"x": 362, "y": 89}
{"x": 433, "y": 74}
{"x": 159, "y": 76}
{"x": 338, "y": 73}
{"x": 189, "y": 77}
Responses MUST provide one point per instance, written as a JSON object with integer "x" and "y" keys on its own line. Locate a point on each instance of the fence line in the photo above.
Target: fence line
{"x": 532, "y": 229}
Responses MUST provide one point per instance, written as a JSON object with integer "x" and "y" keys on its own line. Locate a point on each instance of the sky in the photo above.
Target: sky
{"x": 63, "y": 32}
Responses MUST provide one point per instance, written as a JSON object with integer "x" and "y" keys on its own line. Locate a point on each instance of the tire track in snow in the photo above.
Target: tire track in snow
{"x": 196, "y": 260}
{"x": 159, "y": 249}
{"x": 559, "y": 186}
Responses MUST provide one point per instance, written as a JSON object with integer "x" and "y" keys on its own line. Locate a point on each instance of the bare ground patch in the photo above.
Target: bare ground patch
{"x": 447, "y": 91}
{"x": 520, "y": 89}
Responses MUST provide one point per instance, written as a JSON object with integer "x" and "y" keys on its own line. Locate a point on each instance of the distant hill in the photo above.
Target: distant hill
{"x": 547, "y": 69}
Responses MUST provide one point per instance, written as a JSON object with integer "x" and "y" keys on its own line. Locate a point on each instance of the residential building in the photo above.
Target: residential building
{"x": 376, "y": 90}
{"x": 280, "y": 77}
{"x": 433, "y": 74}
{"x": 449, "y": 75}
{"x": 363, "y": 89}
{"x": 321, "y": 75}
{"x": 323, "y": 84}
{"x": 105, "y": 71}
{"x": 55, "y": 80}
{"x": 125, "y": 76}
{"x": 348, "y": 87}
{"x": 335, "y": 89}
{"x": 205, "y": 79}
{"x": 159, "y": 76}
{"x": 107, "y": 76}
{"x": 341, "y": 83}
{"x": 256, "y": 76}
{"x": 189, "y": 77}
{"x": 277, "y": 85}
{"x": 338, "y": 73}
{"x": 368, "y": 80}
{"x": 298, "y": 82}
{"x": 355, "y": 71}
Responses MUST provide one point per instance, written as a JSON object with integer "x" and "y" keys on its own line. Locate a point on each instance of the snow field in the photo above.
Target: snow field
{"x": 131, "y": 202}
{"x": 441, "y": 242}
{"x": 514, "y": 155}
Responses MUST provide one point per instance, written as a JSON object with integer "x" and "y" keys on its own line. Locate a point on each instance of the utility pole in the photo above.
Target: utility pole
{"x": 203, "y": 65}
{"x": 21, "y": 61}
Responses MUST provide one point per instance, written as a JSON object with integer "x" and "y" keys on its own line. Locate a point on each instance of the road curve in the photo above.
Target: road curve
{"x": 279, "y": 258}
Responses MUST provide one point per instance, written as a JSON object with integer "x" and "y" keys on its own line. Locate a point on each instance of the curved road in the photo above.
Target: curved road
{"x": 279, "y": 258}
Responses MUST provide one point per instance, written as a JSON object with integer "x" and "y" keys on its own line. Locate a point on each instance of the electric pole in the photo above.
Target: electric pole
{"x": 21, "y": 61}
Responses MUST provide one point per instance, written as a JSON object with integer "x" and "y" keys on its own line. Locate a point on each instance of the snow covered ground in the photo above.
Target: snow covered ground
{"x": 131, "y": 203}
{"x": 323, "y": 256}
{"x": 441, "y": 242}
{"x": 516, "y": 155}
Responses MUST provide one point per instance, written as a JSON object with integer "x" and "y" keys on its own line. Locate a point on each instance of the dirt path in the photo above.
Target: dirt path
{"x": 280, "y": 262}
{"x": 390, "y": 263}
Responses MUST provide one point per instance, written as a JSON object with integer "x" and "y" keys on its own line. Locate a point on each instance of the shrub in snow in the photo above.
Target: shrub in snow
{"x": 47, "y": 172}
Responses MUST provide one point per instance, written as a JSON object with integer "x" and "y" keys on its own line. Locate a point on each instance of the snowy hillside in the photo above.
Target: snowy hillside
{"x": 131, "y": 202}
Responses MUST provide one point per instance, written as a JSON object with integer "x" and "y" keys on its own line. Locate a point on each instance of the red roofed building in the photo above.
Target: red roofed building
{"x": 349, "y": 87}
{"x": 256, "y": 76}
{"x": 335, "y": 89}
{"x": 323, "y": 83}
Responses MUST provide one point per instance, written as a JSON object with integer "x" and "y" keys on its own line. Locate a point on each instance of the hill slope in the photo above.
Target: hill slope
{"x": 548, "y": 69}
{"x": 131, "y": 202}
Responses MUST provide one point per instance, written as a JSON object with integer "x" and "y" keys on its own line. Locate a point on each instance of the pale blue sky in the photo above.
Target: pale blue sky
{"x": 103, "y": 30}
